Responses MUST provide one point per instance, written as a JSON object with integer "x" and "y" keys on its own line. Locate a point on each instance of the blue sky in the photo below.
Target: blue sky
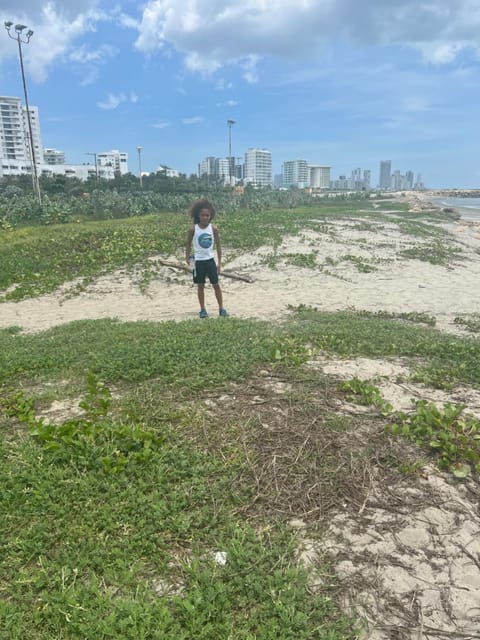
{"x": 334, "y": 82}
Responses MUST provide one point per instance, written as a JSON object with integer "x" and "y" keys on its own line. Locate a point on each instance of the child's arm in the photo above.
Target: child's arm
{"x": 216, "y": 236}
{"x": 188, "y": 249}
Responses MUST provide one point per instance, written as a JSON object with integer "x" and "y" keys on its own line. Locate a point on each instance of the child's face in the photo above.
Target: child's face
{"x": 204, "y": 217}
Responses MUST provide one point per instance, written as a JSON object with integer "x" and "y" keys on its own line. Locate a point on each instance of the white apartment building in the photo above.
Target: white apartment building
{"x": 207, "y": 167}
{"x": 258, "y": 167}
{"x": 222, "y": 168}
{"x": 115, "y": 160}
{"x": 53, "y": 156}
{"x": 319, "y": 176}
{"x": 295, "y": 173}
{"x": 15, "y": 155}
{"x": 14, "y": 131}
{"x": 167, "y": 171}
{"x": 80, "y": 171}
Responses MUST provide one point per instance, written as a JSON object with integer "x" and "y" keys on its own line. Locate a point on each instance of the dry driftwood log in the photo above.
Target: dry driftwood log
{"x": 225, "y": 274}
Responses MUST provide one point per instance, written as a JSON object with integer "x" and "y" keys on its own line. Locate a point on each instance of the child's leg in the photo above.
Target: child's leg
{"x": 218, "y": 295}
{"x": 201, "y": 295}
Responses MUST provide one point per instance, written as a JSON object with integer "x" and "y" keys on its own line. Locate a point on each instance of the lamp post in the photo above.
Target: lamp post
{"x": 19, "y": 28}
{"x": 230, "y": 123}
{"x": 139, "y": 149}
{"x": 96, "y": 165}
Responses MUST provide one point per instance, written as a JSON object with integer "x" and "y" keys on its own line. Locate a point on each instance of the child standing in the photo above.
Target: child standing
{"x": 204, "y": 236}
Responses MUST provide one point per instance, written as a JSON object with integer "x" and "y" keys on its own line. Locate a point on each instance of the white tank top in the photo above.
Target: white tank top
{"x": 203, "y": 242}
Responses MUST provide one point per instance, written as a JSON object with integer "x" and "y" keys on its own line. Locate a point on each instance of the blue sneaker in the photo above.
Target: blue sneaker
{"x": 203, "y": 313}
{"x": 222, "y": 312}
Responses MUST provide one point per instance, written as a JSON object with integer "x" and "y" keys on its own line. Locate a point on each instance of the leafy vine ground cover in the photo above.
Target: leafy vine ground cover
{"x": 113, "y": 519}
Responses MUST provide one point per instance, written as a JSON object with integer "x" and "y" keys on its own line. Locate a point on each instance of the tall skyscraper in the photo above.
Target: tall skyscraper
{"x": 258, "y": 167}
{"x": 385, "y": 174}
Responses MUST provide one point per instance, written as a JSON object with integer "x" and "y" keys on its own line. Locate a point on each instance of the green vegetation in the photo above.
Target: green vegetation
{"x": 409, "y": 316}
{"x": 111, "y": 528}
{"x": 37, "y": 260}
{"x": 471, "y": 322}
{"x": 455, "y": 438}
{"x": 304, "y": 260}
{"x": 155, "y": 500}
{"x": 435, "y": 252}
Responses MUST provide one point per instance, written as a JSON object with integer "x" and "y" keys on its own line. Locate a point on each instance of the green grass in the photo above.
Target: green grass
{"x": 189, "y": 355}
{"x": 37, "y": 260}
{"x": 110, "y": 529}
{"x": 440, "y": 359}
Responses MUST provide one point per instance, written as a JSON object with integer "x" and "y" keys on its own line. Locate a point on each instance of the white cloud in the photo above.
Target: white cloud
{"x": 442, "y": 52}
{"x": 162, "y": 124}
{"x": 213, "y": 33}
{"x": 84, "y": 56}
{"x": 194, "y": 120}
{"x": 114, "y": 100}
{"x": 228, "y": 103}
{"x": 223, "y": 85}
{"x": 128, "y": 22}
{"x": 56, "y": 26}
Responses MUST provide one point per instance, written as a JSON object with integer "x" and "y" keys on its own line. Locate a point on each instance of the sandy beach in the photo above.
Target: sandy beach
{"x": 394, "y": 283}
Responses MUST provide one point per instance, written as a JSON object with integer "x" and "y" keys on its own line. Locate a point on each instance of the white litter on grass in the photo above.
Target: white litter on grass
{"x": 220, "y": 557}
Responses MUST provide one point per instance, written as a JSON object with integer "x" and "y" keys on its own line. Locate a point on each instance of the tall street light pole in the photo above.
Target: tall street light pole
{"x": 19, "y": 28}
{"x": 230, "y": 123}
{"x": 96, "y": 165}
{"x": 139, "y": 149}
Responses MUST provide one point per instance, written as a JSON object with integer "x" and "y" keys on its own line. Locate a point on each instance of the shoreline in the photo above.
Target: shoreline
{"x": 421, "y": 201}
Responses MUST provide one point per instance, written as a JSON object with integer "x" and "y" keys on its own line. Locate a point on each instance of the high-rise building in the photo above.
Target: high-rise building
{"x": 367, "y": 179}
{"x": 295, "y": 173}
{"x": 222, "y": 168}
{"x": 258, "y": 167}
{"x": 16, "y": 157}
{"x": 238, "y": 173}
{"x": 113, "y": 161}
{"x": 385, "y": 180}
{"x": 419, "y": 186}
{"x": 319, "y": 176}
{"x": 409, "y": 180}
{"x": 207, "y": 167}
{"x": 14, "y": 131}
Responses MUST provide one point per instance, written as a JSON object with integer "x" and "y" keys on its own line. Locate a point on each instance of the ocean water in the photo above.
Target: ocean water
{"x": 468, "y": 208}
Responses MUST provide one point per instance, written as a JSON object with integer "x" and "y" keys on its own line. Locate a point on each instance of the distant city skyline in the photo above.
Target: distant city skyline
{"x": 255, "y": 168}
{"x": 328, "y": 82}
